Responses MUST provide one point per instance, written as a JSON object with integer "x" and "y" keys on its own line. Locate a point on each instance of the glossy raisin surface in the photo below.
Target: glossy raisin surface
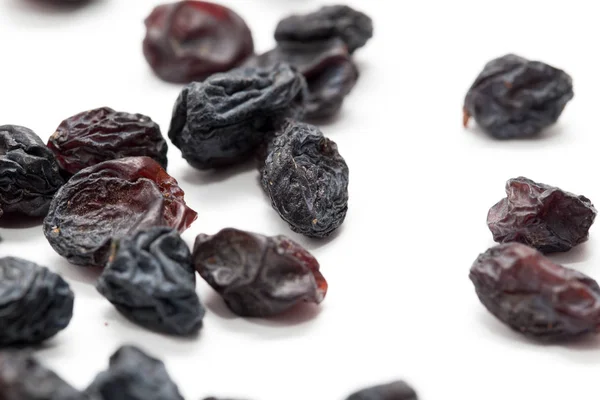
{"x": 535, "y": 296}
{"x": 190, "y": 40}
{"x": 517, "y": 98}
{"x": 398, "y": 390}
{"x": 29, "y": 173}
{"x": 353, "y": 27}
{"x": 258, "y": 276}
{"x": 541, "y": 216}
{"x": 306, "y": 179}
{"x": 110, "y": 200}
{"x": 223, "y": 120}
{"x": 104, "y": 134}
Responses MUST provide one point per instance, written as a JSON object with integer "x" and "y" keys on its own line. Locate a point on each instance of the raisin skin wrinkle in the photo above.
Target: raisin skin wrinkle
{"x": 190, "y": 40}
{"x": 398, "y": 390}
{"x": 223, "y": 120}
{"x": 257, "y": 275}
{"x": 516, "y": 98}
{"x": 35, "y": 303}
{"x": 134, "y": 375}
{"x": 104, "y": 134}
{"x": 541, "y": 216}
{"x": 338, "y": 21}
{"x": 535, "y": 296}
{"x": 151, "y": 280}
{"x": 306, "y": 179}
{"x": 29, "y": 173}
{"x": 111, "y": 200}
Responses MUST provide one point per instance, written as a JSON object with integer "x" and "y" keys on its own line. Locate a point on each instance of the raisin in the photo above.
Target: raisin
{"x": 398, "y": 390}
{"x": 541, "y": 216}
{"x": 222, "y": 121}
{"x": 190, "y": 40}
{"x": 111, "y": 200}
{"x": 29, "y": 173}
{"x": 104, "y": 134}
{"x": 516, "y": 98}
{"x": 134, "y": 375}
{"x": 151, "y": 280}
{"x": 338, "y": 21}
{"x": 306, "y": 179}
{"x": 535, "y": 296}
{"x": 258, "y": 276}
{"x": 35, "y": 303}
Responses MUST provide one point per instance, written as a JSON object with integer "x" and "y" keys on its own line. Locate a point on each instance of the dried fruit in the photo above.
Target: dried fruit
{"x": 151, "y": 280}
{"x": 29, "y": 174}
{"x": 535, "y": 296}
{"x": 104, "y": 134}
{"x": 258, "y": 276}
{"x": 398, "y": 390}
{"x": 516, "y": 98}
{"x": 541, "y": 216}
{"x": 306, "y": 179}
{"x": 223, "y": 120}
{"x": 110, "y": 200}
{"x": 35, "y": 303}
{"x": 190, "y": 40}
{"x": 134, "y": 375}
{"x": 353, "y": 27}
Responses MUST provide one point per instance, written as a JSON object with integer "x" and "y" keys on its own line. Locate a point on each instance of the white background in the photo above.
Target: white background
{"x": 400, "y": 303}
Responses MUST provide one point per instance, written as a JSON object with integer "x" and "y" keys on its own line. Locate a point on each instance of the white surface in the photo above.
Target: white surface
{"x": 400, "y": 303}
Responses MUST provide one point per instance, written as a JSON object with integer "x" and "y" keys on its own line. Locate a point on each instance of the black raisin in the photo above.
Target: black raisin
{"x": 398, "y": 390}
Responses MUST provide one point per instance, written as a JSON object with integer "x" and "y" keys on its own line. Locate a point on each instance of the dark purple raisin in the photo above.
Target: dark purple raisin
{"x": 398, "y": 390}
{"x": 190, "y": 40}
{"x": 111, "y": 200}
{"x": 541, "y": 216}
{"x": 516, "y": 98}
{"x": 35, "y": 303}
{"x": 104, "y": 134}
{"x": 257, "y": 275}
{"x": 535, "y": 296}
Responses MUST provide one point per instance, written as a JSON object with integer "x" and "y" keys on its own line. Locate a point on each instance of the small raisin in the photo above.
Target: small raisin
{"x": 258, "y": 276}
{"x": 398, "y": 390}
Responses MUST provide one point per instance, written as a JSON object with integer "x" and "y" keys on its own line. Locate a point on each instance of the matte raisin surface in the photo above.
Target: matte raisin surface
{"x": 35, "y": 303}
{"x": 535, "y": 296}
{"x": 190, "y": 40}
{"x": 258, "y": 276}
{"x": 29, "y": 173}
{"x": 110, "y": 200}
{"x": 222, "y": 121}
{"x": 541, "y": 216}
{"x": 306, "y": 179}
{"x": 516, "y": 98}
{"x": 104, "y": 134}
{"x": 398, "y": 390}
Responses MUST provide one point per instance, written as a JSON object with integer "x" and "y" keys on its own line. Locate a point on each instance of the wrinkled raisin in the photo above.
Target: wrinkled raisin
{"x": 151, "y": 280}
{"x": 516, "y": 98}
{"x": 306, "y": 179}
{"x": 35, "y": 303}
{"x": 258, "y": 276}
{"x": 398, "y": 390}
{"x": 29, "y": 173}
{"x": 111, "y": 200}
{"x": 541, "y": 216}
{"x": 190, "y": 40}
{"x": 223, "y": 120}
{"x": 535, "y": 296}
{"x": 104, "y": 134}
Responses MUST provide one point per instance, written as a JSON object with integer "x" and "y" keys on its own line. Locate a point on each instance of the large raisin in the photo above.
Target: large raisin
{"x": 104, "y": 134}
{"x": 151, "y": 280}
{"x": 535, "y": 296}
{"x": 29, "y": 174}
{"x": 223, "y": 120}
{"x": 35, "y": 303}
{"x": 398, "y": 390}
{"x": 353, "y": 27}
{"x": 190, "y": 40}
{"x": 306, "y": 179}
{"x": 541, "y": 216}
{"x": 258, "y": 276}
{"x": 516, "y": 98}
{"x": 111, "y": 200}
